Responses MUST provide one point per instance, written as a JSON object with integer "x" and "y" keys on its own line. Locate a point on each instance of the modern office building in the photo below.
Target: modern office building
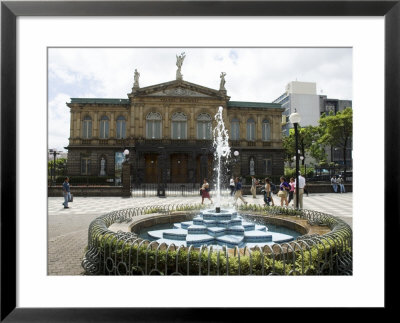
{"x": 303, "y": 98}
{"x": 167, "y": 129}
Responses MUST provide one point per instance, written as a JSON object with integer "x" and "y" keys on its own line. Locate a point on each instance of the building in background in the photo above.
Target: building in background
{"x": 167, "y": 129}
{"x": 303, "y": 98}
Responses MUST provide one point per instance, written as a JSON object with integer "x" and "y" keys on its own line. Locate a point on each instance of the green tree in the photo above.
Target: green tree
{"x": 60, "y": 169}
{"x": 308, "y": 142}
{"x": 337, "y": 131}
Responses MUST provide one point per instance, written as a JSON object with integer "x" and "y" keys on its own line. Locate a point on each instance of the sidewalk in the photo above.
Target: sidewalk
{"x": 68, "y": 228}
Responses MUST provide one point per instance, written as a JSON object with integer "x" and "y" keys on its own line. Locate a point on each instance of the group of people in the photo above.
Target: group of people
{"x": 286, "y": 193}
{"x": 338, "y": 182}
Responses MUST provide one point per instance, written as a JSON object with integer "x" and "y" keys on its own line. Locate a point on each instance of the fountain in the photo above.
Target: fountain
{"x": 220, "y": 226}
{"x": 222, "y": 151}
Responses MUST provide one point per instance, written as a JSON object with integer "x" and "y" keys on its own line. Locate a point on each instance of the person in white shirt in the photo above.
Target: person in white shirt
{"x": 232, "y": 186}
{"x": 334, "y": 183}
{"x": 302, "y": 183}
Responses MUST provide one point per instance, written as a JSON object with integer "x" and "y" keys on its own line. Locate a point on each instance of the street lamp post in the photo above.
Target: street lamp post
{"x": 236, "y": 154}
{"x": 55, "y": 153}
{"x": 126, "y": 155}
{"x": 295, "y": 119}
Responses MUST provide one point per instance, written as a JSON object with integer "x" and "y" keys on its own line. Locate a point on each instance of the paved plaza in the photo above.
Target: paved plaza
{"x": 68, "y": 228}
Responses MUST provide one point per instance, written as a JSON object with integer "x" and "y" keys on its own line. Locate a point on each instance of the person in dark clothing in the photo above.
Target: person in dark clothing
{"x": 66, "y": 192}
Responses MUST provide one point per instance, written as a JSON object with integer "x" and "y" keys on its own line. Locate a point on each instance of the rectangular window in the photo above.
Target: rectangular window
{"x": 85, "y": 165}
{"x": 235, "y": 131}
{"x": 200, "y": 131}
{"x": 183, "y": 130}
{"x": 121, "y": 131}
{"x": 178, "y": 130}
{"x": 153, "y": 129}
{"x": 266, "y": 131}
{"x": 268, "y": 166}
{"x": 87, "y": 130}
{"x": 204, "y": 130}
{"x": 251, "y": 131}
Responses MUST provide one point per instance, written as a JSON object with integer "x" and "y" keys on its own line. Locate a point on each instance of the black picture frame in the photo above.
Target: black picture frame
{"x": 10, "y": 10}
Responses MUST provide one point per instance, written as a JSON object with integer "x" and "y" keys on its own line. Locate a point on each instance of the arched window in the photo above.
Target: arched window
{"x": 153, "y": 125}
{"x": 121, "y": 127}
{"x": 266, "y": 130}
{"x": 235, "y": 129}
{"x": 204, "y": 128}
{"x": 179, "y": 126}
{"x": 104, "y": 127}
{"x": 251, "y": 130}
{"x": 87, "y": 127}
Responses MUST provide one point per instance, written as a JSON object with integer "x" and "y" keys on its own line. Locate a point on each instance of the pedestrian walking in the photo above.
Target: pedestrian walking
{"x": 254, "y": 184}
{"x": 238, "y": 191}
{"x": 341, "y": 184}
{"x": 284, "y": 188}
{"x": 205, "y": 191}
{"x": 302, "y": 184}
{"x": 334, "y": 183}
{"x": 232, "y": 185}
{"x": 66, "y": 192}
{"x": 291, "y": 183}
{"x": 268, "y": 193}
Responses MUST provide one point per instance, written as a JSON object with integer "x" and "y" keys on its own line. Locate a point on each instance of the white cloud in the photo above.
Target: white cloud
{"x": 58, "y": 122}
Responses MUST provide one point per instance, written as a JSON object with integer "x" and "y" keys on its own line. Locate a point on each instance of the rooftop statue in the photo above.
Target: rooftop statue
{"x": 179, "y": 62}
{"x": 222, "y": 84}
{"x": 136, "y": 78}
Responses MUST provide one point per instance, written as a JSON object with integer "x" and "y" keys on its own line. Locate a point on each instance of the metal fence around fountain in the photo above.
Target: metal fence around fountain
{"x": 124, "y": 253}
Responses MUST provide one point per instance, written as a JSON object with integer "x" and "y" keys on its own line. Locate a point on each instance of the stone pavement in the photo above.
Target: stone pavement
{"x": 68, "y": 228}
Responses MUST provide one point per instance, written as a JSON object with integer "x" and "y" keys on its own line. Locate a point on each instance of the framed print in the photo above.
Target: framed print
{"x": 185, "y": 24}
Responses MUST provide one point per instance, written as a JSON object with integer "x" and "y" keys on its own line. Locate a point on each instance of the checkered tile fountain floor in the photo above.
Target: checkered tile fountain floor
{"x": 67, "y": 228}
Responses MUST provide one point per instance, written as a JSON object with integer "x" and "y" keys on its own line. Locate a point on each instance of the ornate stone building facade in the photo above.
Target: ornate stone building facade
{"x": 167, "y": 129}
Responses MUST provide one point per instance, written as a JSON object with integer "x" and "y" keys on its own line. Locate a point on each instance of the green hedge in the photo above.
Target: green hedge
{"x": 306, "y": 263}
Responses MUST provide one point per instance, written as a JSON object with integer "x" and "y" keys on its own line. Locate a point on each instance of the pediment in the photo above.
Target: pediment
{"x": 178, "y": 89}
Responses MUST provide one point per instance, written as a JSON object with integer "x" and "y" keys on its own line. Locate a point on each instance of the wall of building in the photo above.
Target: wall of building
{"x": 307, "y": 105}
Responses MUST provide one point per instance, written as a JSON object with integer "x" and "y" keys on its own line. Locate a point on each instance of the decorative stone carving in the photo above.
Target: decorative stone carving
{"x": 154, "y": 116}
{"x": 179, "y": 116}
{"x": 179, "y": 91}
{"x": 204, "y": 117}
{"x": 252, "y": 166}
{"x": 102, "y": 167}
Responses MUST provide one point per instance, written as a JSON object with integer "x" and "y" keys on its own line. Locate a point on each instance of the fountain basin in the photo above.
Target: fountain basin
{"x": 224, "y": 228}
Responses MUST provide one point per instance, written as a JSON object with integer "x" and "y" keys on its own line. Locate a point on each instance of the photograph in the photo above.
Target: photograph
{"x": 185, "y": 161}
{"x": 211, "y": 141}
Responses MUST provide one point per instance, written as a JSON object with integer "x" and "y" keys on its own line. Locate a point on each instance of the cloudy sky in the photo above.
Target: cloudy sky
{"x": 252, "y": 74}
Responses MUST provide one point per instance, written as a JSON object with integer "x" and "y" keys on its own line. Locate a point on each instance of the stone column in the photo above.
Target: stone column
{"x": 71, "y": 125}
{"x": 131, "y": 124}
{"x": 78, "y": 124}
{"x": 112, "y": 133}
{"x": 95, "y": 125}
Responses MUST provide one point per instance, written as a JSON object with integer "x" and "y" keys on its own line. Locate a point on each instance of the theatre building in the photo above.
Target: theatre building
{"x": 167, "y": 129}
